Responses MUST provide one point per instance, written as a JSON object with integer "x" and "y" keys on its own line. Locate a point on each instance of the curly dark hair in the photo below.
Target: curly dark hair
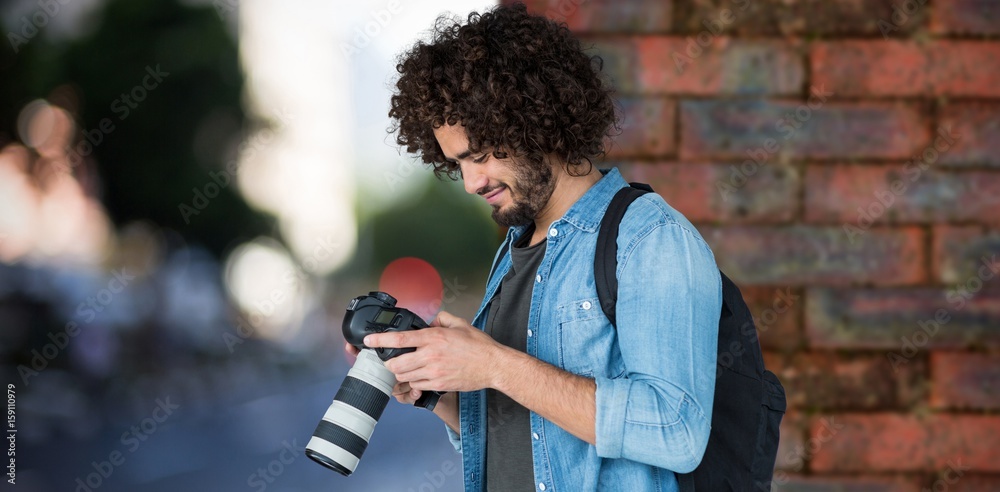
{"x": 520, "y": 84}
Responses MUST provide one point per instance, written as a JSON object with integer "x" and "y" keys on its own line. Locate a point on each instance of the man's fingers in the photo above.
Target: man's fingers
{"x": 351, "y": 349}
{"x": 414, "y": 375}
{"x": 402, "y": 339}
{"x": 405, "y": 394}
{"x": 448, "y": 320}
{"x": 401, "y": 389}
{"x": 423, "y": 384}
{"x": 403, "y": 363}
{"x": 408, "y": 396}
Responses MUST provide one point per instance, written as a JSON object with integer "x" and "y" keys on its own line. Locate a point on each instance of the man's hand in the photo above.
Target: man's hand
{"x": 451, "y": 355}
{"x": 446, "y": 408}
{"x": 402, "y": 391}
{"x": 351, "y": 350}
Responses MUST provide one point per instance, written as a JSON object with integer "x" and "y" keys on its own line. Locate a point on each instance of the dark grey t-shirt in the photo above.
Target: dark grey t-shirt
{"x": 508, "y": 435}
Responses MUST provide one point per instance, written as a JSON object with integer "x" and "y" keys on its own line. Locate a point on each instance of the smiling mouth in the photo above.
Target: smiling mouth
{"x": 493, "y": 194}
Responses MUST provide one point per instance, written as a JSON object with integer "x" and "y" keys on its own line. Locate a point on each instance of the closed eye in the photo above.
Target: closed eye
{"x": 481, "y": 159}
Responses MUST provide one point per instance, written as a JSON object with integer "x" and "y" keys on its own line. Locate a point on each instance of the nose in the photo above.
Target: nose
{"x": 473, "y": 179}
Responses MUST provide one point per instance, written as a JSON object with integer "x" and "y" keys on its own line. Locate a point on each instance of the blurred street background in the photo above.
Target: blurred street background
{"x": 192, "y": 191}
{"x": 190, "y": 194}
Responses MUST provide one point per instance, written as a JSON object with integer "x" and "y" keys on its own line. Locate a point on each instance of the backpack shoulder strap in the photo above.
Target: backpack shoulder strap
{"x": 606, "y": 256}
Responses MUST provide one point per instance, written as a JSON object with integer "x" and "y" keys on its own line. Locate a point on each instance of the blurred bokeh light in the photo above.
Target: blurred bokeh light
{"x": 415, "y": 284}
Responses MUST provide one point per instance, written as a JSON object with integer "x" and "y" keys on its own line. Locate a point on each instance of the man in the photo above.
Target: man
{"x": 543, "y": 392}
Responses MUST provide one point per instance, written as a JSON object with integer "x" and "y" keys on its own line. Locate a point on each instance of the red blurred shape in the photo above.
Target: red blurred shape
{"x": 415, "y": 284}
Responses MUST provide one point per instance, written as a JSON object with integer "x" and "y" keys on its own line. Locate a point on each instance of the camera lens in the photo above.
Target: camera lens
{"x": 342, "y": 436}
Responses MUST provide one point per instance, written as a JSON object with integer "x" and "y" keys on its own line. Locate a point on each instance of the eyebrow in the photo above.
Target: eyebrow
{"x": 459, "y": 157}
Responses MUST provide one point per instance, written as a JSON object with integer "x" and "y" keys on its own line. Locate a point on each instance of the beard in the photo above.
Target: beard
{"x": 531, "y": 190}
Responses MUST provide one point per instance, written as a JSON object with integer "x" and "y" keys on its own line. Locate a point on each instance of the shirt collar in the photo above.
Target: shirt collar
{"x": 587, "y": 212}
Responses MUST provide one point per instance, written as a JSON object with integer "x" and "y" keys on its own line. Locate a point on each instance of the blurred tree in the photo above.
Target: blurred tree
{"x": 157, "y": 89}
{"x": 441, "y": 226}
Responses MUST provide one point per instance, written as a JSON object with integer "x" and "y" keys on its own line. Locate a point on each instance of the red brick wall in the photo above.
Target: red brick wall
{"x": 842, "y": 157}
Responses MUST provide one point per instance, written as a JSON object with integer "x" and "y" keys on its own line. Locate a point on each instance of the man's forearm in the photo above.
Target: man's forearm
{"x": 563, "y": 398}
{"x": 447, "y": 410}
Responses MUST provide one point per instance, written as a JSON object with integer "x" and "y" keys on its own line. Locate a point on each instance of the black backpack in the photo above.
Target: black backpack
{"x": 749, "y": 400}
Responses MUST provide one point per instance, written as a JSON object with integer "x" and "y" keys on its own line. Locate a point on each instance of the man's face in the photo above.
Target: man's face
{"x": 516, "y": 192}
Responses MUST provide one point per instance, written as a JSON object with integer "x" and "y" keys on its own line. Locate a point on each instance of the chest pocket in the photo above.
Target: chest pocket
{"x": 587, "y": 342}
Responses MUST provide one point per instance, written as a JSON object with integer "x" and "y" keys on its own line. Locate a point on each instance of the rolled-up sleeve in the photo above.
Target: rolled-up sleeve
{"x": 669, "y": 300}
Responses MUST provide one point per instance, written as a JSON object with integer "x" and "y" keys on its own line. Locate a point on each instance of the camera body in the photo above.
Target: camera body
{"x": 343, "y": 433}
{"x": 377, "y": 313}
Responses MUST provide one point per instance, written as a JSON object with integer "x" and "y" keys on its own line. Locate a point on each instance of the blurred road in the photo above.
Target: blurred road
{"x": 409, "y": 450}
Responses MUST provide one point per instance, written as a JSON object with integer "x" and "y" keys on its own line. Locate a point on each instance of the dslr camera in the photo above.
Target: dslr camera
{"x": 345, "y": 430}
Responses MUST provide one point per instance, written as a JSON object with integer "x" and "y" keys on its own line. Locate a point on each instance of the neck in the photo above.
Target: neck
{"x": 567, "y": 191}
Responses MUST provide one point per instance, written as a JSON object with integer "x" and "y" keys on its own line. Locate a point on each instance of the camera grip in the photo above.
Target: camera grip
{"x": 428, "y": 399}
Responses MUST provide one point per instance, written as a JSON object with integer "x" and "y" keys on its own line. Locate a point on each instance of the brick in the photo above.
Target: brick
{"x": 803, "y": 255}
{"x": 647, "y": 128}
{"x": 962, "y": 380}
{"x": 673, "y": 65}
{"x": 867, "y": 68}
{"x": 776, "y": 314}
{"x": 977, "y": 125}
{"x": 778, "y": 17}
{"x": 964, "y": 254}
{"x": 893, "y": 442}
{"x": 693, "y": 189}
{"x": 765, "y": 131}
{"x": 841, "y": 483}
{"x": 967, "y": 482}
{"x": 907, "y": 68}
{"x": 965, "y": 17}
{"x": 902, "y": 321}
{"x": 862, "y": 195}
{"x": 605, "y": 15}
{"x": 828, "y": 380}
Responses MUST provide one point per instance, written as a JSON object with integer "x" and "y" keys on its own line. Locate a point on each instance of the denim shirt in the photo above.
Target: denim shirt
{"x": 655, "y": 373}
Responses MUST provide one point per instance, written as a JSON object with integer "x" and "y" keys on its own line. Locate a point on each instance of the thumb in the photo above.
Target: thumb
{"x": 448, "y": 320}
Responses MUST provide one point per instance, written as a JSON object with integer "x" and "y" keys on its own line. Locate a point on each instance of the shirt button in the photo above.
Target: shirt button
{"x": 534, "y": 435}
{"x": 541, "y": 486}
{"x": 538, "y": 278}
{"x": 553, "y": 232}
{"x": 586, "y": 305}
{"x": 529, "y": 333}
